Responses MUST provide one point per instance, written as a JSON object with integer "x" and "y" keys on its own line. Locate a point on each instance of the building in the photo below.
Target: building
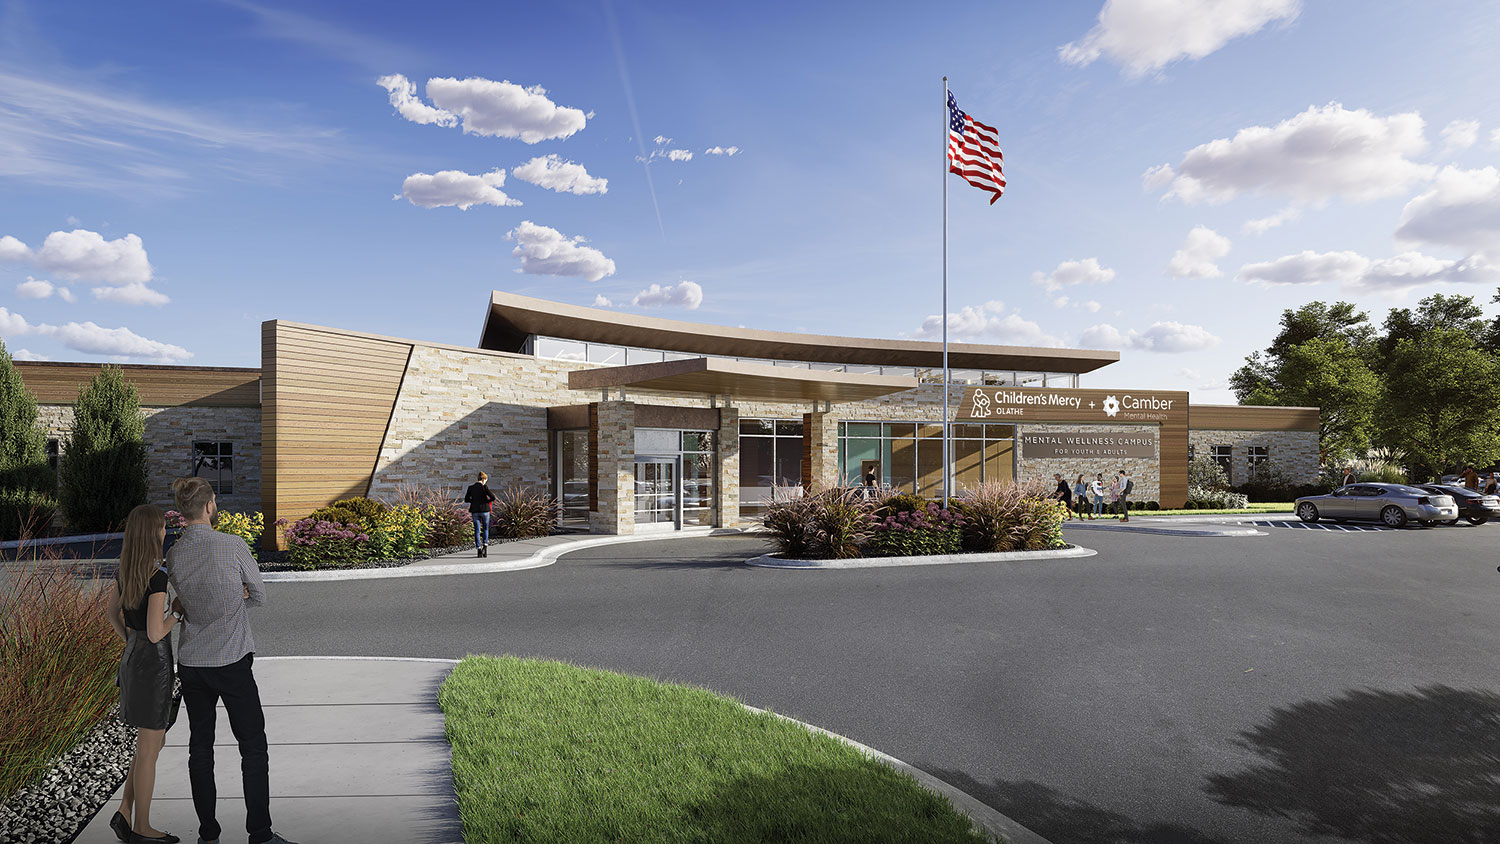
{"x": 638, "y": 423}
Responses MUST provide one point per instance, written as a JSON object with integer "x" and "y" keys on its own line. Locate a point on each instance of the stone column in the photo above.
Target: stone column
{"x": 820, "y": 450}
{"x": 612, "y": 467}
{"x": 727, "y": 463}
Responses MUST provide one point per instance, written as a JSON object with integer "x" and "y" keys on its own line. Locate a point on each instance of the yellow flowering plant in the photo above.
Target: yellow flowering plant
{"x": 247, "y": 526}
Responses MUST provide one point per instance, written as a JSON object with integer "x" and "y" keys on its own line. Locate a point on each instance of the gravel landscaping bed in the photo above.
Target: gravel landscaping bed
{"x": 79, "y": 783}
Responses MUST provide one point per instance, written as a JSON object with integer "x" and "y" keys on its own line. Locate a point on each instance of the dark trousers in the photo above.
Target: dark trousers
{"x": 202, "y": 689}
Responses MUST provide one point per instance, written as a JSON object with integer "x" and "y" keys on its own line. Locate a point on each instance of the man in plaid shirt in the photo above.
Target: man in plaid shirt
{"x": 217, "y": 581}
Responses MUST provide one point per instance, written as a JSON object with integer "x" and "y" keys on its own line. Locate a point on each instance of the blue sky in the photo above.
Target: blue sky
{"x": 266, "y": 173}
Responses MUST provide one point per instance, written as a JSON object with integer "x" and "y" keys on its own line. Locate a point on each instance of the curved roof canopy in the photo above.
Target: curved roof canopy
{"x": 511, "y": 319}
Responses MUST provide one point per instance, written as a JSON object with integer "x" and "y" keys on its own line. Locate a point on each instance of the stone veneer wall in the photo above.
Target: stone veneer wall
{"x": 1293, "y": 452}
{"x": 170, "y": 432}
{"x": 1144, "y": 471}
{"x": 613, "y": 457}
{"x": 727, "y": 478}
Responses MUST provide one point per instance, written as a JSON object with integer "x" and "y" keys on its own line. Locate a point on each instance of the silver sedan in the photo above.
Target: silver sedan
{"x": 1393, "y": 504}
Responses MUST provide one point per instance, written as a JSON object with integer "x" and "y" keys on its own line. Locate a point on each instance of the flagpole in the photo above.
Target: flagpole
{"x": 947, "y": 463}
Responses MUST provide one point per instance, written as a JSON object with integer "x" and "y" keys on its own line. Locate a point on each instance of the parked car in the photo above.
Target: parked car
{"x": 1393, "y": 504}
{"x": 1476, "y": 507}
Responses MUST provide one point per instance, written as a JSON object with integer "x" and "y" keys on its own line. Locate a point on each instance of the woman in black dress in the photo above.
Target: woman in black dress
{"x": 138, "y": 611}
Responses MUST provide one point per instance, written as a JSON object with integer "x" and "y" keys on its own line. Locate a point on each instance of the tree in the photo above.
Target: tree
{"x": 1491, "y": 340}
{"x": 103, "y": 471}
{"x": 1459, "y": 313}
{"x": 1321, "y": 358}
{"x": 26, "y": 481}
{"x": 1441, "y": 401}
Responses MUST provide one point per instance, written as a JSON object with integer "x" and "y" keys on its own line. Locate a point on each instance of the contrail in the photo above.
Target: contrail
{"x": 635, "y": 119}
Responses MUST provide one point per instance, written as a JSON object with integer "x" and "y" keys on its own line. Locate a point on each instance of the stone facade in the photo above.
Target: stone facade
{"x": 613, "y": 453}
{"x": 1144, "y": 471}
{"x": 820, "y": 450}
{"x": 1294, "y": 453}
{"x": 727, "y": 476}
{"x": 170, "y": 433}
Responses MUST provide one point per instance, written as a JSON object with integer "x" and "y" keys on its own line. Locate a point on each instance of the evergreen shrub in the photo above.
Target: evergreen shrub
{"x": 102, "y": 476}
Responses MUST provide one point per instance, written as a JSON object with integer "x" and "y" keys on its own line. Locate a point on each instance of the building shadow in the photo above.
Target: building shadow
{"x": 1067, "y": 820}
{"x": 1382, "y": 767}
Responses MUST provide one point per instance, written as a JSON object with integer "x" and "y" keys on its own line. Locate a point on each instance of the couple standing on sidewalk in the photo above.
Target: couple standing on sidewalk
{"x": 217, "y": 580}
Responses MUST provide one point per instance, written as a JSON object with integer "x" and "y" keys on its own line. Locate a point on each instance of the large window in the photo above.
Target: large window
{"x": 1224, "y": 456}
{"x": 697, "y": 451}
{"x": 573, "y": 473}
{"x": 770, "y": 457}
{"x": 214, "y": 462}
{"x": 909, "y": 455}
{"x": 1258, "y": 454}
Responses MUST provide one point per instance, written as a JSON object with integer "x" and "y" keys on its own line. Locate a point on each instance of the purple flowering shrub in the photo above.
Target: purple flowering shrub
{"x": 315, "y": 543}
{"x": 901, "y": 532}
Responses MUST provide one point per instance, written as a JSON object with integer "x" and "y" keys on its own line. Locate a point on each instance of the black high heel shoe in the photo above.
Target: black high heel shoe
{"x": 120, "y": 826}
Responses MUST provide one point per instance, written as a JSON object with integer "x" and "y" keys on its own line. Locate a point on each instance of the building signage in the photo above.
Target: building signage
{"x": 1072, "y": 405}
{"x": 1082, "y": 444}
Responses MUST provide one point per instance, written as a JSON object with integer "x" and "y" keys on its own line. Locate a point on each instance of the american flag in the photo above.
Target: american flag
{"x": 974, "y": 151}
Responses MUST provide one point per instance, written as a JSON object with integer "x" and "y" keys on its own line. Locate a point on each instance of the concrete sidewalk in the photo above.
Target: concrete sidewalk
{"x": 357, "y": 755}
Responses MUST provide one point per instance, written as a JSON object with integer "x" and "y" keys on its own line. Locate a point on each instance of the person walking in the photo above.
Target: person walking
{"x": 1349, "y": 476}
{"x": 1096, "y": 494}
{"x": 1471, "y": 478}
{"x": 1063, "y": 493}
{"x": 217, "y": 581}
{"x": 1127, "y": 486}
{"x": 1081, "y": 497}
{"x": 138, "y": 611}
{"x": 1114, "y": 496}
{"x": 479, "y": 499}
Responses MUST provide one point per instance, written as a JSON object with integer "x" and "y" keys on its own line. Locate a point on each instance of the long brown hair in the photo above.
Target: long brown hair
{"x": 140, "y": 554}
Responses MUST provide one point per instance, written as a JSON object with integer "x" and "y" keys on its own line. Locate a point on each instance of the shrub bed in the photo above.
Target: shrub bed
{"x": 848, "y": 523}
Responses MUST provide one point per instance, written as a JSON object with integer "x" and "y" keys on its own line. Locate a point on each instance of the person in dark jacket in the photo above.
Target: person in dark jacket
{"x": 1064, "y": 493}
{"x": 479, "y": 499}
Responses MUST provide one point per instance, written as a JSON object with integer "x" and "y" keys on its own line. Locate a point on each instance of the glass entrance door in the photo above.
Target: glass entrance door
{"x": 658, "y": 493}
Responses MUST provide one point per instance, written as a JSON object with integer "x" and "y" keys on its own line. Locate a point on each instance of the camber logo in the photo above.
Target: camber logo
{"x": 1111, "y": 405}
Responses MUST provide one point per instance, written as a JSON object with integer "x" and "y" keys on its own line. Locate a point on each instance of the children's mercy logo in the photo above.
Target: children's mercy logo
{"x": 1111, "y": 405}
{"x": 981, "y": 404}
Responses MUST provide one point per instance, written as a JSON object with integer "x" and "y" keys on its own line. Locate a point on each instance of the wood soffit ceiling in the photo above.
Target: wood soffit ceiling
{"x": 512, "y": 318}
{"x": 712, "y": 376}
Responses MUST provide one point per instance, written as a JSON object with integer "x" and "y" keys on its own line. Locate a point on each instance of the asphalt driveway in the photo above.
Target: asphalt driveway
{"x": 1302, "y": 686}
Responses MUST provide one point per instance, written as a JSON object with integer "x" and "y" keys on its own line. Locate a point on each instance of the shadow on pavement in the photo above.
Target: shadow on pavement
{"x": 1065, "y": 820}
{"x": 1418, "y": 767}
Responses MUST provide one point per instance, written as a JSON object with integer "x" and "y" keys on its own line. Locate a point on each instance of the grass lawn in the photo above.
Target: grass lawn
{"x": 549, "y": 752}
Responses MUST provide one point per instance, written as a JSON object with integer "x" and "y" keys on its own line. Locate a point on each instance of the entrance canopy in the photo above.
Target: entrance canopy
{"x": 716, "y": 376}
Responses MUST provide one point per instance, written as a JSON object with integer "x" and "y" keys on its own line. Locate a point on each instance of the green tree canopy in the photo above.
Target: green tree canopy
{"x": 1459, "y": 313}
{"x": 22, "y": 443}
{"x": 103, "y": 471}
{"x": 1441, "y": 401}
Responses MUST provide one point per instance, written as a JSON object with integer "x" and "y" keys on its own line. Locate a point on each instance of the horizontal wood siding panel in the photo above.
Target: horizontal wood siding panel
{"x": 1213, "y": 417}
{"x": 328, "y": 403}
{"x": 157, "y": 386}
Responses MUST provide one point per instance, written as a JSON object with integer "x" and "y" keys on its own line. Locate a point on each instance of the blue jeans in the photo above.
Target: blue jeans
{"x": 1099, "y": 506}
{"x": 481, "y": 529}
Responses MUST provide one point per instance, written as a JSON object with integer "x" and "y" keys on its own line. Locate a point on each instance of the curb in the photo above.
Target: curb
{"x": 772, "y": 562}
{"x": 60, "y": 540}
{"x": 980, "y": 814}
{"x": 1171, "y": 531}
{"x": 545, "y": 557}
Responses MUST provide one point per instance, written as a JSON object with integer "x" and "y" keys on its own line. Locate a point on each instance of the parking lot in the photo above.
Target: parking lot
{"x": 1303, "y": 686}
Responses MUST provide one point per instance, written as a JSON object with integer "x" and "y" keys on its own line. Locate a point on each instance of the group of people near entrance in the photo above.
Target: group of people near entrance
{"x": 1086, "y": 498}
{"x": 216, "y": 580}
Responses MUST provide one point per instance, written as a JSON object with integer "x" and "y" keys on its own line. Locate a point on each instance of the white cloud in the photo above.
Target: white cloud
{"x": 455, "y": 187}
{"x": 1064, "y": 302}
{"x": 13, "y": 250}
{"x": 89, "y": 338}
{"x": 1145, "y": 35}
{"x": 1495, "y": 138}
{"x": 1157, "y": 177}
{"x": 84, "y": 254}
{"x": 662, "y": 140}
{"x": 33, "y": 289}
{"x": 1312, "y": 157}
{"x": 602, "y": 301}
{"x": 404, "y": 97}
{"x": 1196, "y": 257}
{"x": 547, "y": 251}
{"x": 669, "y": 154}
{"x": 683, "y": 294}
{"x": 1461, "y": 208}
{"x": 1069, "y": 273}
{"x": 1261, "y": 225}
{"x": 1091, "y": 306}
{"x": 131, "y": 294}
{"x": 1360, "y": 274}
{"x": 722, "y": 151}
{"x": 504, "y": 109}
{"x": 552, "y": 173}
{"x": 1460, "y": 135}
{"x": 1060, "y": 302}
{"x": 1163, "y": 337}
{"x": 119, "y": 343}
{"x": 73, "y": 221}
{"x": 14, "y": 325}
{"x": 27, "y": 354}
{"x": 988, "y": 322}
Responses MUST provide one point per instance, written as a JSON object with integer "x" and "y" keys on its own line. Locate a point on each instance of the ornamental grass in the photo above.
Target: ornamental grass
{"x": 58, "y": 659}
{"x": 520, "y": 513}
